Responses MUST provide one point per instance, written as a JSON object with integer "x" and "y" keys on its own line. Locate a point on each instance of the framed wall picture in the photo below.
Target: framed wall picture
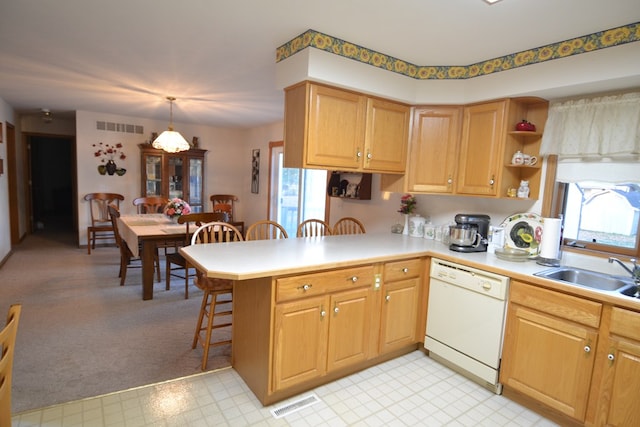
{"x": 255, "y": 171}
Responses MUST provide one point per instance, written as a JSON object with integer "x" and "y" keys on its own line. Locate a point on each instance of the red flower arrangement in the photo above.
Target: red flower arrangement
{"x": 109, "y": 152}
{"x": 407, "y": 204}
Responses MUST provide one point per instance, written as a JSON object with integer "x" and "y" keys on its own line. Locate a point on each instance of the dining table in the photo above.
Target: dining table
{"x": 145, "y": 231}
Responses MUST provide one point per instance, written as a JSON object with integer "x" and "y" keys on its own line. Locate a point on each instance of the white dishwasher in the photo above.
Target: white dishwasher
{"x": 465, "y": 320}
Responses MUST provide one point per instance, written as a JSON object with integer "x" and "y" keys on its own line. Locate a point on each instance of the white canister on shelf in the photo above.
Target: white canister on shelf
{"x": 416, "y": 226}
{"x": 429, "y": 231}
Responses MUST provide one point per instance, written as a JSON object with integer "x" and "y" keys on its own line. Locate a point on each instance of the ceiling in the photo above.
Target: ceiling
{"x": 218, "y": 57}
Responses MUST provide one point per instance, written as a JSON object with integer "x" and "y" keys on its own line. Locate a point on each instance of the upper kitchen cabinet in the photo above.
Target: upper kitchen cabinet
{"x": 434, "y": 148}
{"x": 480, "y": 163}
{"x": 330, "y": 128}
{"x": 173, "y": 175}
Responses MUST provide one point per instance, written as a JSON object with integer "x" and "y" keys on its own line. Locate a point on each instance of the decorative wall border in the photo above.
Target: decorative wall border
{"x": 576, "y": 46}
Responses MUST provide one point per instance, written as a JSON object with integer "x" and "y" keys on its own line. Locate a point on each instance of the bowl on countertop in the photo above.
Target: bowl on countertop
{"x": 512, "y": 254}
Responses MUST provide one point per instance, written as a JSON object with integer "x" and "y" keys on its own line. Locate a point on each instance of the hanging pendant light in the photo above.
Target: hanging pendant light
{"x": 169, "y": 140}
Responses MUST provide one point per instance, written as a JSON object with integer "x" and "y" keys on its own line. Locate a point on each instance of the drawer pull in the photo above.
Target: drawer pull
{"x": 405, "y": 270}
{"x": 305, "y": 287}
{"x": 354, "y": 279}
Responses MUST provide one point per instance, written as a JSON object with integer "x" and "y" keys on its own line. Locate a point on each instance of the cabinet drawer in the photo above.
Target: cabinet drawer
{"x": 625, "y": 323}
{"x": 289, "y": 288}
{"x": 558, "y": 304}
{"x": 404, "y": 269}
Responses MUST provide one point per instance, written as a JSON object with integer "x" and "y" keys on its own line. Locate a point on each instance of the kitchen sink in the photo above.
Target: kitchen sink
{"x": 630, "y": 291}
{"x": 587, "y": 278}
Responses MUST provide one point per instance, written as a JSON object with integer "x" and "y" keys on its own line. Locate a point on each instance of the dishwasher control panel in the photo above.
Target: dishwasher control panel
{"x": 480, "y": 281}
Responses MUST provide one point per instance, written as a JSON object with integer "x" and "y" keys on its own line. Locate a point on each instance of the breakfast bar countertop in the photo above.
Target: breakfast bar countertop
{"x": 268, "y": 258}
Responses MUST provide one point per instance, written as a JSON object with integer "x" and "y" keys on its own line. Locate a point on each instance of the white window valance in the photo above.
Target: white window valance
{"x": 594, "y": 127}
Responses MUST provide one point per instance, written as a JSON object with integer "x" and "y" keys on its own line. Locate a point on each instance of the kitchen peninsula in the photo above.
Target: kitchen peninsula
{"x": 310, "y": 310}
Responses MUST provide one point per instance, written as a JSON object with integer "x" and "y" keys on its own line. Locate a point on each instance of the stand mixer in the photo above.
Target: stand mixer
{"x": 470, "y": 234}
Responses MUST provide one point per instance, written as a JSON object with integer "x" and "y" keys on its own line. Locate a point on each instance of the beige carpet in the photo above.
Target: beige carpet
{"x": 83, "y": 335}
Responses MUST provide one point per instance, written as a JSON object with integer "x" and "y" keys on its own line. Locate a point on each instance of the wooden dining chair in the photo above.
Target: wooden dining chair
{"x": 126, "y": 256}
{"x": 176, "y": 264}
{"x": 150, "y": 204}
{"x": 265, "y": 230}
{"x": 213, "y": 232}
{"x": 348, "y": 225}
{"x": 313, "y": 228}
{"x": 100, "y": 228}
{"x": 223, "y": 203}
{"x": 7, "y": 345}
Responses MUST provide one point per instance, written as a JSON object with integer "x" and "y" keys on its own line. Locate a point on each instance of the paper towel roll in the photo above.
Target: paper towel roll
{"x": 550, "y": 242}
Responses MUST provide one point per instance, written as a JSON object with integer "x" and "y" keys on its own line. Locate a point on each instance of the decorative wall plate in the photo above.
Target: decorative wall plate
{"x": 523, "y": 231}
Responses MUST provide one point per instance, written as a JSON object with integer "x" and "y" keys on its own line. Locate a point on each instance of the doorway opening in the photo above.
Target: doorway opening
{"x": 51, "y": 169}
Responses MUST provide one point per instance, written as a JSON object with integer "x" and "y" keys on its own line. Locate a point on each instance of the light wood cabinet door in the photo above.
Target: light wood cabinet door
{"x": 336, "y": 128}
{"x": 483, "y": 133}
{"x": 300, "y": 325}
{"x": 621, "y": 371}
{"x": 549, "y": 359}
{"x": 386, "y": 137}
{"x": 349, "y": 328}
{"x": 399, "y": 314}
{"x": 433, "y": 151}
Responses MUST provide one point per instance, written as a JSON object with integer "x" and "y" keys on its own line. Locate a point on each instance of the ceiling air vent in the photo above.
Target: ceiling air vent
{"x": 119, "y": 127}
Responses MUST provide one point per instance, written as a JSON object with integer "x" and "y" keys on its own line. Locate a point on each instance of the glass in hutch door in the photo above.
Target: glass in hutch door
{"x": 176, "y": 178}
{"x": 195, "y": 184}
{"x": 154, "y": 175}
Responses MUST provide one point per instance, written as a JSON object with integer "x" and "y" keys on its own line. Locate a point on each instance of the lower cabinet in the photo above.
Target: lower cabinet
{"x": 620, "y": 364}
{"x": 324, "y": 325}
{"x": 400, "y": 297}
{"x": 316, "y": 335}
{"x": 550, "y": 346}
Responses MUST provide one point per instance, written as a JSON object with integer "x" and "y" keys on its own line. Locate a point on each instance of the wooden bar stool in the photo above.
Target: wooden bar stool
{"x": 213, "y": 232}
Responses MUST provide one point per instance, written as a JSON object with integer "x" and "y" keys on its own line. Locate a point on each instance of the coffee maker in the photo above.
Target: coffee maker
{"x": 470, "y": 234}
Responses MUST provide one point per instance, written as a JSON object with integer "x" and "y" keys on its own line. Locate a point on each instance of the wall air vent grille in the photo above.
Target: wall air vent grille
{"x": 120, "y": 127}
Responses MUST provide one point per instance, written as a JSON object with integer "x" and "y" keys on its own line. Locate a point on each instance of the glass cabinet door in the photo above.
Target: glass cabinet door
{"x": 195, "y": 185}
{"x": 153, "y": 184}
{"x": 176, "y": 175}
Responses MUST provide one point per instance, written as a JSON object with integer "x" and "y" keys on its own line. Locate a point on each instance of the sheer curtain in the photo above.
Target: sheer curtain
{"x": 590, "y": 128}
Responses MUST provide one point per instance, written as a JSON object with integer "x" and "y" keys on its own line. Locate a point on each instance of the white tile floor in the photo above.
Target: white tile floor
{"x": 407, "y": 391}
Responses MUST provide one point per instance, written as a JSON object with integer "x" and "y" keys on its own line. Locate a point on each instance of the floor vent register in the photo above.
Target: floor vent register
{"x": 291, "y": 407}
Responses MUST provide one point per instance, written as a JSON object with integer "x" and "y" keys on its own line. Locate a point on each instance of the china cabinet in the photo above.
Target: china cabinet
{"x": 173, "y": 175}
{"x": 332, "y": 128}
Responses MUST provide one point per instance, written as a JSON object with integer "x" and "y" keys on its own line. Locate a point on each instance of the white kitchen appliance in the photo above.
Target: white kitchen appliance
{"x": 465, "y": 320}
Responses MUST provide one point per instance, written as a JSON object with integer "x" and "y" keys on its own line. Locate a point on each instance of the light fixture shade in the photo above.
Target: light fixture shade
{"x": 171, "y": 142}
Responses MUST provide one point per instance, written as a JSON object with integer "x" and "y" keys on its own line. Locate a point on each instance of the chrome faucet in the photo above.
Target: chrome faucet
{"x": 635, "y": 273}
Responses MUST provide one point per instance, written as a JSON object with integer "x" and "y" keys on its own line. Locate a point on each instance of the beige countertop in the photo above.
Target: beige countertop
{"x": 266, "y": 258}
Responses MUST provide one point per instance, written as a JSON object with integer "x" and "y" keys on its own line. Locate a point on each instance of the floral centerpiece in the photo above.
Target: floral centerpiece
{"x": 407, "y": 207}
{"x": 176, "y": 208}
{"x": 407, "y": 204}
{"x": 107, "y": 154}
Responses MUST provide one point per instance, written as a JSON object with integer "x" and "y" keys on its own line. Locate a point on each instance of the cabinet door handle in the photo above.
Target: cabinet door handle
{"x": 449, "y": 180}
{"x": 358, "y": 153}
{"x": 587, "y": 349}
{"x": 368, "y": 155}
{"x": 492, "y": 180}
{"x": 611, "y": 357}
{"x": 336, "y": 309}
{"x": 322, "y": 313}
{"x": 387, "y": 298}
